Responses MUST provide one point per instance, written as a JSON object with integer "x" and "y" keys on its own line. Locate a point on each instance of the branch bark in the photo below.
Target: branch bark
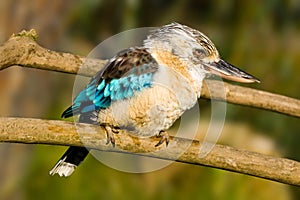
{"x": 22, "y": 50}
{"x": 54, "y": 132}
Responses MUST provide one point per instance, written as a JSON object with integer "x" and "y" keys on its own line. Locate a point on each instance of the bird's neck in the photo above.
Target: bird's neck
{"x": 187, "y": 71}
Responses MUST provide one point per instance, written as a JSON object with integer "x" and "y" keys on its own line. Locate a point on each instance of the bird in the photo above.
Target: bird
{"x": 145, "y": 89}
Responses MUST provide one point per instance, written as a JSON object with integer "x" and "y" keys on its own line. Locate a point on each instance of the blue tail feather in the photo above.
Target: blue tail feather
{"x": 71, "y": 111}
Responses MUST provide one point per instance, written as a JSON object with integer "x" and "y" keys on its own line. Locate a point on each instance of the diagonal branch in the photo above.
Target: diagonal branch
{"x": 37, "y": 131}
{"x": 22, "y": 50}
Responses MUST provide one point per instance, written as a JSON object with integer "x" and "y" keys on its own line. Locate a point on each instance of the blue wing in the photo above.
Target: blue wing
{"x": 130, "y": 71}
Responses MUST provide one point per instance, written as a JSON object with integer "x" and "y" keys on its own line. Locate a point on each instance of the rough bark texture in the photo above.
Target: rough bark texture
{"x": 54, "y": 132}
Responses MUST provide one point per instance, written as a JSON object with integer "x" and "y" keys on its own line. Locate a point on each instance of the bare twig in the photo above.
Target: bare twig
{"x": 254, "y": 98}
{"x": 22, "y": 50}
{"x": 26, "y": 130}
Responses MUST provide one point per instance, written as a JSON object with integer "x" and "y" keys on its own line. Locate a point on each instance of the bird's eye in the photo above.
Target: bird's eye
{"x": 199, "y": 53}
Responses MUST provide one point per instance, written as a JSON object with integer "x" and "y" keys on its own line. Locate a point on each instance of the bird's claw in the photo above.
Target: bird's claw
{"x": 164, "y": 138}
{"x": 110, "y": 135}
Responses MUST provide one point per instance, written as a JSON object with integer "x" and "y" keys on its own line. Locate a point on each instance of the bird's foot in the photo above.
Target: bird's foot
{"x": 164, "y": 138}
{"x": 110, "y": 131}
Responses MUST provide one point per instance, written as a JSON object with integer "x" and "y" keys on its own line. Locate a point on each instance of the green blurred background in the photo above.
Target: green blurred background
{"x": 261, "y": 37}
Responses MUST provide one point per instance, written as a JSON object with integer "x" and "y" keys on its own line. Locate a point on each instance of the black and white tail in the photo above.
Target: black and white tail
{"x": 69, "y": 161}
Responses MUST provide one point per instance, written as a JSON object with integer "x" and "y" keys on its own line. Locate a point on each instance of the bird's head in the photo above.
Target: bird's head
{"x": 195, "y": 49}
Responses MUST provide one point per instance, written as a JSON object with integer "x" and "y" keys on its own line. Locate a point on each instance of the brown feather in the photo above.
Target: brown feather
{"x": 134, "y": 60}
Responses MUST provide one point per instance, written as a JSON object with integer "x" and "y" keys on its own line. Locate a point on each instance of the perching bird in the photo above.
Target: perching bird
{"x": 146, "y": 89}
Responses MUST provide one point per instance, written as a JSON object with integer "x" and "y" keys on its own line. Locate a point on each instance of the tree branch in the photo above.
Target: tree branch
{"x": 22, "y": 50}
{"x": 37, "y": 131}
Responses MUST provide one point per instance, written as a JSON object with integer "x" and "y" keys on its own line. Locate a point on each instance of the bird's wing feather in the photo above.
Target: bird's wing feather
{"x": 130, "y": 71}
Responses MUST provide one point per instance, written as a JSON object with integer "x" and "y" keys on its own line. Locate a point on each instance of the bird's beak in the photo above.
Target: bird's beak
{"x": 230, "y": 72}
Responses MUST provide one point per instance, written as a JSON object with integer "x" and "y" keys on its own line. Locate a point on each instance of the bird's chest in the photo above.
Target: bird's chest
{"x": 153, "y": 109}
